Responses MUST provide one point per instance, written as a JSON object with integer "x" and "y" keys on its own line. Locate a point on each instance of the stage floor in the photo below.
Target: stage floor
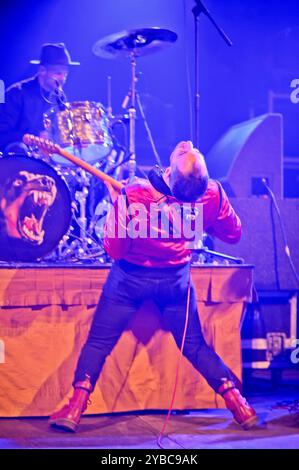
{"x": 201, "y": 429}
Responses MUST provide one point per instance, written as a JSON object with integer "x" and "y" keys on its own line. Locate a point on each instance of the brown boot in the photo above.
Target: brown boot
{"x": 243, "y": 413}
{"x": 69, "y": 416}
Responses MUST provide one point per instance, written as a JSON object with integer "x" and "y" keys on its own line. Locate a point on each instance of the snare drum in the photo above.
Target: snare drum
{"x": 81, "y": 129}
{"x": 35, "y": 208}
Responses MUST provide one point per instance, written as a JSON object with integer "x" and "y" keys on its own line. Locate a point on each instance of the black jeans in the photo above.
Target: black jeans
{"x": 127, "y": 286}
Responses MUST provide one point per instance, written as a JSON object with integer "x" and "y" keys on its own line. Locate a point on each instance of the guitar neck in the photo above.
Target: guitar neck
{"x": 50, "y": 147}
{"x": 90, "y": 169}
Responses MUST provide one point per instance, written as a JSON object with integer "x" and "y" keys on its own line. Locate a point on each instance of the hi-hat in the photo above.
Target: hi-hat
{"x": 135, "y": 42}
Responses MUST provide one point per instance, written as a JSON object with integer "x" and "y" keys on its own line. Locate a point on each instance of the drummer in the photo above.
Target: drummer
{"x": 26, "y": 101}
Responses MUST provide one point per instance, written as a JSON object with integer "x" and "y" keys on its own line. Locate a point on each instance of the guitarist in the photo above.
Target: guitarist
{"x": 158, "y": 268}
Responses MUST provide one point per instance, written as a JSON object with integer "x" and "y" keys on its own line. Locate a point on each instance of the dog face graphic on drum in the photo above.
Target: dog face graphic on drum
{"x": 25, "y": 200}
{"x": 35, "y": 208}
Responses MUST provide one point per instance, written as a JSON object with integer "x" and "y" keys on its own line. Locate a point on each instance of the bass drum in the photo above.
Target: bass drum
{"x": 35, "y": 208}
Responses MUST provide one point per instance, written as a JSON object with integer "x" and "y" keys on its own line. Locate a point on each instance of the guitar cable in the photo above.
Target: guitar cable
{"x": 162, "y": 432}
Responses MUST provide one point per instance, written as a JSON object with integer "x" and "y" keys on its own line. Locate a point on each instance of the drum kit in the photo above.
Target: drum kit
{"x": 51, "y": 209}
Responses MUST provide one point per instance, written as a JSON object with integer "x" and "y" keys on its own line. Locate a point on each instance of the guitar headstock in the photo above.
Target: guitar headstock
{"x": 43, "y": 144}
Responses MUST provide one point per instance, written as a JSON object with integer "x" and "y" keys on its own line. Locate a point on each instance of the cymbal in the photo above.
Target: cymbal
{"x": 137, "y": 42}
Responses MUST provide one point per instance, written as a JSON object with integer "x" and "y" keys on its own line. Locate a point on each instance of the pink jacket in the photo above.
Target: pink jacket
{"x": 219, "y": 220}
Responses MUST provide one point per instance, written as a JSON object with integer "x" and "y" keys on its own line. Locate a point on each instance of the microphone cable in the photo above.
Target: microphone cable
{"x": 188, "y": 73}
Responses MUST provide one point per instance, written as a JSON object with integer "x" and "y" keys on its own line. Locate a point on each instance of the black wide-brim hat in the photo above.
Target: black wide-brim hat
{"x": 54, "y": 54}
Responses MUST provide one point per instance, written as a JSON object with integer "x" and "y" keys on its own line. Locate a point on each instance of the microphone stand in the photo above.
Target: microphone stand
{"x": 197, "y": 10}
{"x": 216, "y": 254}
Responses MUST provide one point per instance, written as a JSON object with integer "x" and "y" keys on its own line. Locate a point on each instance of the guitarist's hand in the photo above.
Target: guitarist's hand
{"x": 45, "y": 135}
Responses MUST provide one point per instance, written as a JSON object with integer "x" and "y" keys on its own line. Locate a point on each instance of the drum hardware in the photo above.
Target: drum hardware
{"x": 109, "y": 98}
{"x": 118, "y": 119}
{"x": 80, "y": 244}
{"x": 142, "y": 41}
{"x": 83, "y": 242}
{"x": 99, "y": 218}
{"x": 74, "y": 248}
{"x": 83, "y": 246}
{"x": 116, "y": 168}
{"x": 81, "y": 197}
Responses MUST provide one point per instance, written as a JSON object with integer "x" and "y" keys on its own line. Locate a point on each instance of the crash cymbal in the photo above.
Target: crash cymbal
{"x": 137, "y": 42}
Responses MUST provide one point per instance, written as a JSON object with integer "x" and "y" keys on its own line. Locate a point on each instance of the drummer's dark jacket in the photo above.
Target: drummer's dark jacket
{"x": 22, "y": 111}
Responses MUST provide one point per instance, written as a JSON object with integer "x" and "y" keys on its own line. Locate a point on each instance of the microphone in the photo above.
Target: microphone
{"x": 58, "y": 85}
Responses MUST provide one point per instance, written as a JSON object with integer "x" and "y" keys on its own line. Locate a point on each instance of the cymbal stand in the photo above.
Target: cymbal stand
{"x": 81, "y": 196}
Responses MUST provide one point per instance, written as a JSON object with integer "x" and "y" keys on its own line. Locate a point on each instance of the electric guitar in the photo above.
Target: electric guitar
{"x": 49, "y": 147}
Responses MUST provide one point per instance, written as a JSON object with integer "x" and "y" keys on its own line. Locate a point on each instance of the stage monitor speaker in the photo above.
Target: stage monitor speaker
{"x": 262, "y": 242}
{"x": 248, "y": 152}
